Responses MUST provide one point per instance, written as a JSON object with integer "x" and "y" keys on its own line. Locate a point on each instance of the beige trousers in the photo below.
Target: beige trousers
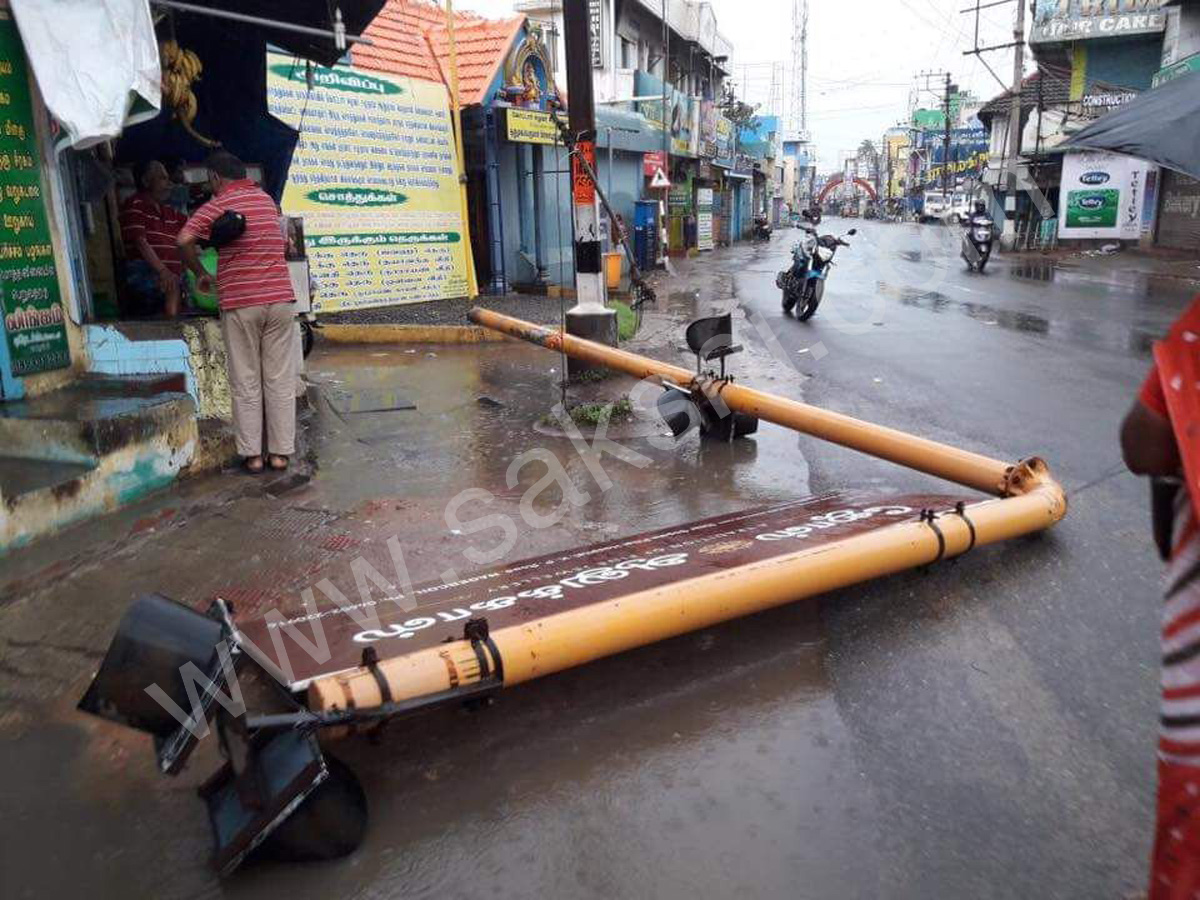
{"x": 260, "y": 353}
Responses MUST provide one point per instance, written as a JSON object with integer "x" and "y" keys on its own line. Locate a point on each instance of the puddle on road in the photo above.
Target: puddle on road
{"x": 476, "y": 417}
{"x": 1094, "y": 333}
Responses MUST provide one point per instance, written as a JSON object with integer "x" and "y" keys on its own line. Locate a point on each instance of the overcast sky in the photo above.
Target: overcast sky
{"x": 863, "y": 57}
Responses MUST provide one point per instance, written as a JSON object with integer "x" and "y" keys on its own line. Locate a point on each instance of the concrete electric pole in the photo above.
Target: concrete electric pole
{"x": 590, "y": 318}
{"x": 1008, "y": 175}
{"x": 1009, "y": 237}
{"x": 946, "y": 143}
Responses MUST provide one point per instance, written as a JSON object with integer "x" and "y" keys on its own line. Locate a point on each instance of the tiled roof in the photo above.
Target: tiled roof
{"x": 1050, "y": 87}
{"x": 410, "y": 38}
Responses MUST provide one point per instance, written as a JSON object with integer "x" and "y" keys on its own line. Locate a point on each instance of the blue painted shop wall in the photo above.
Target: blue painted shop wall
{"x": 1124, "y": 62}
{"x": 516, "y": 205}
{"x": 626, "y": 183}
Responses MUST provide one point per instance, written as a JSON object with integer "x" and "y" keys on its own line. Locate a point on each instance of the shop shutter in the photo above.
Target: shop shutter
{"x": 1179, "y": 212}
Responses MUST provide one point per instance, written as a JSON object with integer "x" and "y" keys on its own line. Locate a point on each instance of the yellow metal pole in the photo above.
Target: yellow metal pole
{"x": 973, "y": 470}
{"x": 562, "y": 641}
{"x": 472, "y": 284}
{"x": 1032, "y": 501}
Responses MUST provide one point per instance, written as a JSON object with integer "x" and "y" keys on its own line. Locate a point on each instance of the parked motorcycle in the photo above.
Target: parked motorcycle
{"x": 803, "y": 285}
{"x": 978, "y": 234}
{"x": 762, "y": 228}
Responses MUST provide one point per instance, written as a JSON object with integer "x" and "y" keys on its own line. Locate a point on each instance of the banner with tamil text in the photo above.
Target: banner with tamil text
{"x": 375, "y": 178}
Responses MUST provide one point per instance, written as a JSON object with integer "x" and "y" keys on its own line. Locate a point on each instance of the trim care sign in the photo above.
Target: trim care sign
{"x": 1103, "y": 196}
{"x": 1074, "y": 20}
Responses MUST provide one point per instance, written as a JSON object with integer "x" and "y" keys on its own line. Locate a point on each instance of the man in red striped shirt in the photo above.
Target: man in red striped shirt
{"x": 255, "y": 295}
{"x": 1161, "y": 438}
{"x": 150, "y": 228}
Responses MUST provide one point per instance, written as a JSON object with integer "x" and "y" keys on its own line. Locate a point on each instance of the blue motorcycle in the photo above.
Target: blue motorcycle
{"x": 803, "y": 285}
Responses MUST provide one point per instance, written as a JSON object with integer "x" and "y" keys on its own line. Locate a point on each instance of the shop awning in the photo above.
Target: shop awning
{"x": 96, "y": 63}
{"x": 316, "y": 15}
{"x": 1162, "y": 126}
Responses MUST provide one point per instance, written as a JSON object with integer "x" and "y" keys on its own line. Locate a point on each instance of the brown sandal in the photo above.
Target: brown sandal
{"x": 277, "y": 462}
{"x": 253, "y": 465}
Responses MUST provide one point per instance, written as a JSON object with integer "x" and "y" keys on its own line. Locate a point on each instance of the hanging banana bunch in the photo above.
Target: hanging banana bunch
{"x": 180, "y": 68}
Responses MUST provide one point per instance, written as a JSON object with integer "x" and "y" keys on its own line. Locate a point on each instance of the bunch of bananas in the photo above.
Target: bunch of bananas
{"x": 180, "y": 68}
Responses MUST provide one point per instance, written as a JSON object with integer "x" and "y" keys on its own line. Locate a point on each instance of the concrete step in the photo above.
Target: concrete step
{"x": 20, "y": 476}
{"x": 89, "y": 448}
{"x": 91, "y": 417}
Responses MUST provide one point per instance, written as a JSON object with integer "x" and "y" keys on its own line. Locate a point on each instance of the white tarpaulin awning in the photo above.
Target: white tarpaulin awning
{"x": 96, "y": 63}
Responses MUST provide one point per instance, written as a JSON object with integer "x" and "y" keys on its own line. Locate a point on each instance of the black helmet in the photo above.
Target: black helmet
{"x": 981, "y": 207}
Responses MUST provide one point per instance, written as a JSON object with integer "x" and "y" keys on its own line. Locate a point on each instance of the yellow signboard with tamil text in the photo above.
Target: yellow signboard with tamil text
{"x": 375, "y": 177}
{"x": 527, "y": 126}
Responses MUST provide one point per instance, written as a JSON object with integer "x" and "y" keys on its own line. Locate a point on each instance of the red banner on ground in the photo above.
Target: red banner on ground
{"x": 529, "y": 589}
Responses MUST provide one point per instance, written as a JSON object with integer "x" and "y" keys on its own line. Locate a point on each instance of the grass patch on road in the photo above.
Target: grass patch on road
{"x": 627, "y": 323}
{"x": 593, "y": 415}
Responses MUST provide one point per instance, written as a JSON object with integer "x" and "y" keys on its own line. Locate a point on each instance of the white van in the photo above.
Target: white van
{"x": 938, "y": 209}
{"x": 935, "y": 208}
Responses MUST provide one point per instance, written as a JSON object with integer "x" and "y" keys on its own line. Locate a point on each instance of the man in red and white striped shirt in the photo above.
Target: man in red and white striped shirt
{"x": 1161, "y": 438}
{"x": 255, "y": 295}
{"x": 149, "y": 229}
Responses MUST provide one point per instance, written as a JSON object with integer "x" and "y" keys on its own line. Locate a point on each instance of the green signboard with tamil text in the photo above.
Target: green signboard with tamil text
{"x": 33, "y": 313}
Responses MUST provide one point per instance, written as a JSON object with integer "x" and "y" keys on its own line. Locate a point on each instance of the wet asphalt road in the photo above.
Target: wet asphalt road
{"x": 984, "y": 730}
{"x": 1000, "y": 710}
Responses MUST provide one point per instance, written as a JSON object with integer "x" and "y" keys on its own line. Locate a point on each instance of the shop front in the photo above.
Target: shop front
{"x": 1179, "y": 212}
{"x": 91, "y": 334}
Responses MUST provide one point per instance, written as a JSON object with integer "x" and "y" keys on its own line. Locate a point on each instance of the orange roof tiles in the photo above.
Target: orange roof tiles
{"x": 410, "y": 38}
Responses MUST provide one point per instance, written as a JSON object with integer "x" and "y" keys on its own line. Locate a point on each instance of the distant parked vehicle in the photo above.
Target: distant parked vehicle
{"x": 949, "y": 210}
{"x": 934, "y": 207}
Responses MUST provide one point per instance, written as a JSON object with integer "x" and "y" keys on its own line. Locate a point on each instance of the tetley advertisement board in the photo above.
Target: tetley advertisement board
{"x": 1103, "y": 196}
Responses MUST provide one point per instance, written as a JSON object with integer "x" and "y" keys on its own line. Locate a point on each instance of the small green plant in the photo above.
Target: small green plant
{"x": 591, "y": 376}
{"x": 594, "y": 414}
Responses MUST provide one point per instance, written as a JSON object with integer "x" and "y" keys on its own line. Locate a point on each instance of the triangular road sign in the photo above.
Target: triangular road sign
{"x": 660, "y": 179}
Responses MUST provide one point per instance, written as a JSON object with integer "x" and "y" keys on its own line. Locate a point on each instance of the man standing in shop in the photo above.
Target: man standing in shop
{"x": 257, "y": 317}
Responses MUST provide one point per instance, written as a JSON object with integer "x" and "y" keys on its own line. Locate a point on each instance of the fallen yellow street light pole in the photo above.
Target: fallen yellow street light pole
{"x": 553, "y": 643}
{"x": 973, "y": 470}
{"x": 1031, "y": 501}
{"x": 470, "y": 637}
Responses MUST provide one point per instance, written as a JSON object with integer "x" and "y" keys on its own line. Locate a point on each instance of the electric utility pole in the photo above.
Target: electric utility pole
{"x": 1012, "y": 154}
{"x": 1009, "y": 237}
{"x": 945, "y": 127}
{"x": 946, "y": 142}
{"x": 590, "y": 317}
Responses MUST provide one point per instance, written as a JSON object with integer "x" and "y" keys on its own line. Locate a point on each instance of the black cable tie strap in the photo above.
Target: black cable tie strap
{"x": 960, "y": 510}
{"x": 929, "y": 517}
{"x": 495, "y": 651}
{"x": 370, "y": 661}
{"x": 477, "y": 632}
